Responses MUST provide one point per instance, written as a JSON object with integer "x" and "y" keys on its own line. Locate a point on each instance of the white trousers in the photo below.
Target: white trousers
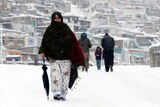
{"x": 59, "y": 76}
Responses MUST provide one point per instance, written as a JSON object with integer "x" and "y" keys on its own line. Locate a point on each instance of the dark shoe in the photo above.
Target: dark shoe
{"x": 57, "y": 97}
{"x": 99, "y": 68}
{"x": 107, "y": 70}
{"x": 111, "y": 69}
{"x": 83, "y": 69}
{"x": 63, "y": 98}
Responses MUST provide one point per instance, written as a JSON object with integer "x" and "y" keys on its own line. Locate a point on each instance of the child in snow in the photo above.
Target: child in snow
{"x": 98, "y": 56}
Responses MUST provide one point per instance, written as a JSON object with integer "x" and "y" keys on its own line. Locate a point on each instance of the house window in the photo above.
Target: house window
{"x": 139, "y": 16}
{"x": 30, "y": 41}
{"x": 10, "y": 39}
{"x": 11, "y": 44}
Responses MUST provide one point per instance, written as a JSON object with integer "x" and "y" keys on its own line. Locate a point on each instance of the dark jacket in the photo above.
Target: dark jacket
{"x": 61, "y": 47}
{"x": 55, "y": 45}
{"x": 107, "y": 42}
{"x": 85, "y": 43}
{"x": 98, "y": 53}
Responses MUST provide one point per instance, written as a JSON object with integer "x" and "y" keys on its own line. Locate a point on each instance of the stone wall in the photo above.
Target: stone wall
{"x": 155, "y": 56}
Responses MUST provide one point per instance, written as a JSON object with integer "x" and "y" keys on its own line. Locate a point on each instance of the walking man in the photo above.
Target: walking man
{"x": 85, "y": 44}
{"x": 108, "y": 44}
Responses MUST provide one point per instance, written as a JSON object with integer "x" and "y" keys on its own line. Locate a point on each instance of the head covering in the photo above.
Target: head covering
{"x": 57, "y": 25}
{"x": 98, "y": 47}
{"x": 83, "y": 36}
{"x": 53, "y": 17}
{"x": 106, "y": 34}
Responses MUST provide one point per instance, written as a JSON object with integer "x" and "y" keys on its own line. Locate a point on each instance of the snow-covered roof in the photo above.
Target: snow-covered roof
{"x": 85, "y": 20}
{"x": 120, "y": 38}
{"x": 13, "y": 55}
{"x": 147, "y": 35}
{"x": 29, "y": 15}
{"x": 155, "y": 45}
{"x": 100, "y": 35}
{"x": 11, "y": 30}
{"x": 99, "y": 1}
{"x": 75, "y": 11}
{"x": 11, "y": 0}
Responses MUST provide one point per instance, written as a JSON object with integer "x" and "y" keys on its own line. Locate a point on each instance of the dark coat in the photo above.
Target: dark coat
{"x": 61, "y": 47}
{"x": 85, "y": 43}
{"x": 98, "y": 53}
{"x": 56, "y": 45}
{"x": 107, "y": 42}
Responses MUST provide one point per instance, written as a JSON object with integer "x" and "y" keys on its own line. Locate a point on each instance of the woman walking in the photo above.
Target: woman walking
{"x": 60, "y": 47}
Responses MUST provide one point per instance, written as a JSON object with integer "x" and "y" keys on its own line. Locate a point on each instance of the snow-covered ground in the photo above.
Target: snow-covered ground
{"x": 127, "y": 86}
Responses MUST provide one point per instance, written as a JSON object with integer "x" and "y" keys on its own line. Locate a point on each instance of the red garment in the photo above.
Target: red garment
{"x": 77, "y": 57}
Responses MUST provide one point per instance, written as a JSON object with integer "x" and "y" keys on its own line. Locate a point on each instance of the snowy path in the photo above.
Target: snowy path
{"x": 127, "y": 86}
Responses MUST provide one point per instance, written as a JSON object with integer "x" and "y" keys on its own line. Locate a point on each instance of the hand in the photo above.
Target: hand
{"x": 80, "y": 67}
{"x": 42, "y": 55}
